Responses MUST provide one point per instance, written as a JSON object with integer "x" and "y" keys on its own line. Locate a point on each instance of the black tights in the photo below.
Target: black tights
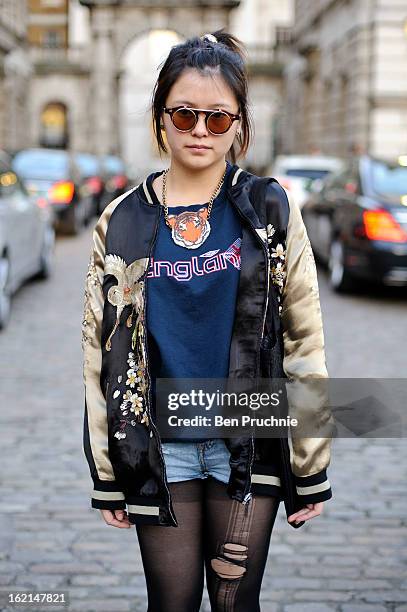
{"x": 230, "y": 539}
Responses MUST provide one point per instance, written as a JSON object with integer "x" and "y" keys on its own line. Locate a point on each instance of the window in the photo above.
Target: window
{"x": 51, "y": 39}
{"x": 388, "y": 179}
{"x": 347, "y": 180}
{"x": 52, "y": 3}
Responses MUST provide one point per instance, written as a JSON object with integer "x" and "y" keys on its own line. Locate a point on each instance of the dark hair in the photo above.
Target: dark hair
{"x": 229, "y": 55}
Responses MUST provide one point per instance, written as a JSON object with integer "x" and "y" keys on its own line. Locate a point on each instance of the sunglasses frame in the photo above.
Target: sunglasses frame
{"x": 208, "y": 112}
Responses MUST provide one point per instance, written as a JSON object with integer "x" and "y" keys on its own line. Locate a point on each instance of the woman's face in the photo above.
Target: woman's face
{"x": 200, "y": 91}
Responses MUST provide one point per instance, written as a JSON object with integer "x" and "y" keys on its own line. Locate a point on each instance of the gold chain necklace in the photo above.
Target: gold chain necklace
{"x": 189, "y": 229}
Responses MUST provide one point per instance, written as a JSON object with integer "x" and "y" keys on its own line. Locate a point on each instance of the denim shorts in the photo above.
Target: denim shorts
{"x": 185, "y": 460}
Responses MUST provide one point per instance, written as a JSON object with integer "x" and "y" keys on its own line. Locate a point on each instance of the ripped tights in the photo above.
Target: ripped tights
{"x": 227, "y": 539}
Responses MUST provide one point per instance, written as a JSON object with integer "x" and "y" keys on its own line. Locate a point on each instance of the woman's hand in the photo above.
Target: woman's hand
{"x": 116, "y": 518}
{"x": 307, "y": 513}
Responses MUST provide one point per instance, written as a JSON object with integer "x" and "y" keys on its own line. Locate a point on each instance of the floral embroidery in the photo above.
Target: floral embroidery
{"x": 278, "y": 252}
{"x": 277, "y": 257}
{"x": 92, "y": 274}
{"x": 266, "y": 233}
{"x": 133, "y": 401}
{"x": 278, "y": 275}
{"x": 310, "y": 268}
{"x": 277, "y": 260}
{"x": 270, "y": 230}
{"x": 88, "y": 320}
{"x": 128, "y": 291}
{"x": 278, "y": 265}
{"x": 132, "y": 378}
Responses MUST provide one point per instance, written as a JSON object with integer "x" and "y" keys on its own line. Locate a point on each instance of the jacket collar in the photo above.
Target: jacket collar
{"x": 238, "y": 186}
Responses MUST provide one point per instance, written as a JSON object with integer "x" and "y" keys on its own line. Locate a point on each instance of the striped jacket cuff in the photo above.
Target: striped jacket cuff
{"x": 107, "y": 496}
{"x": 313, "y": 489}
{"x": 266, "y": 480}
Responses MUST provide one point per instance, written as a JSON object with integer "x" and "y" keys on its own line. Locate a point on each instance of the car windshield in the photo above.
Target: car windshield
{"x": 308, "y": 173}
{"x": 88, "y": 164}
{"x": 389, "y": 179}
{"x": 52, "y": 165}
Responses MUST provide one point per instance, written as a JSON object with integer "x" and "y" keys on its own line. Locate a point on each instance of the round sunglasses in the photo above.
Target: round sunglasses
{"x": 185, "y": 119}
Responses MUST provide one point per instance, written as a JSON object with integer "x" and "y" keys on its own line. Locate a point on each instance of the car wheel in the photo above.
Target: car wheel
{"x": 5, "y": 300}
{"x": 339, "y": 277}
{"x": 75, "y": 221}
{"x": 47, "y": 254}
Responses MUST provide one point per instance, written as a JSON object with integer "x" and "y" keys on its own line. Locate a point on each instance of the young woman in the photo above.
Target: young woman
{"x": 182, "y": 283}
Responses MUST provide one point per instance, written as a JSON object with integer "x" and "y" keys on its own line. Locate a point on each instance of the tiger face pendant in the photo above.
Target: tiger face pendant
{"x": 190, "y": 229}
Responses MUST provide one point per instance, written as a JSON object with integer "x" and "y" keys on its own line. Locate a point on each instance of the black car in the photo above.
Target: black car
{"x": 53, "y": 175}
{"x": 357, "y": 222}
{"x": 93, "y": 184}
{"x": 115, "y": 178}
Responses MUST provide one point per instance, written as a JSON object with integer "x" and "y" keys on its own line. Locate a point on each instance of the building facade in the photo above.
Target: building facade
{"x": 59, "y": 87}
{"x": 346, "y": 85}
{"x": 115, "y": 27}
{"x": 14, "y": 73}
{"x": 265, "y": 28}
{"x": 48, "y": 23}
{"x": 96, "y": 62}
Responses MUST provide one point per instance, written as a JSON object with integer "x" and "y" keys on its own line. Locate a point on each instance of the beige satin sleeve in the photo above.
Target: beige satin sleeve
{"x": 304, "y": 351}
{"x": 97, "y": 443}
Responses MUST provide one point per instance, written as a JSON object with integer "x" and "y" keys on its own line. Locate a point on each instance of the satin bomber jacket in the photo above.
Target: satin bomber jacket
{"x": 121, "y": 442}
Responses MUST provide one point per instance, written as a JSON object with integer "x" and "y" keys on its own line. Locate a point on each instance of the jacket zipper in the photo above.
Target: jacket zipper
{"x": 286, "y": 458}
{"x": 268, "y": 291}
{"x": 248, "y": 495}
{"x": 268, "y": 263}
{"x": 163, "y": 474}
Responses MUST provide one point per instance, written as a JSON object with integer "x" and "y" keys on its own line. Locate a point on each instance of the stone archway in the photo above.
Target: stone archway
{"x": 54, "y": 130}
{"x": 73, "y": 93}
{"x": 139, "y": 66}
{"x": 114, "y": 24}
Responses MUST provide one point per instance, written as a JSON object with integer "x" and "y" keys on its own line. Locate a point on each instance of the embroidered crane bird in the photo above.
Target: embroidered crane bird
{"x": 128, "y": 290}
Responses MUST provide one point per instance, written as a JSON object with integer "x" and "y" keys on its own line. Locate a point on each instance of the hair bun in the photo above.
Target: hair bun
{"x": 209, "y": 37}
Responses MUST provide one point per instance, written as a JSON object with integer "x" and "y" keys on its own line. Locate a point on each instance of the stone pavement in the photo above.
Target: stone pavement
{"x": 353, "y": 558}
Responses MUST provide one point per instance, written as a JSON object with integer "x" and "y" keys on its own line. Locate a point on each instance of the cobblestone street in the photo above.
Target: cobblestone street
{"x": 351, "y": 559}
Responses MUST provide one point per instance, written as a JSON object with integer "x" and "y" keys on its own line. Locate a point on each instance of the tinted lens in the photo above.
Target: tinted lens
{"x": 183, "y": 119}
{"x": 219, "y": 123}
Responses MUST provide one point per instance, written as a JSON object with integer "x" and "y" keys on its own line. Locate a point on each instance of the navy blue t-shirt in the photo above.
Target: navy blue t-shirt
{"x": 191, "y": 296}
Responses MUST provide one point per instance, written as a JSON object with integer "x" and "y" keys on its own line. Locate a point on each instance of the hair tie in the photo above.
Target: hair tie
{"x": 209, "y": 37}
